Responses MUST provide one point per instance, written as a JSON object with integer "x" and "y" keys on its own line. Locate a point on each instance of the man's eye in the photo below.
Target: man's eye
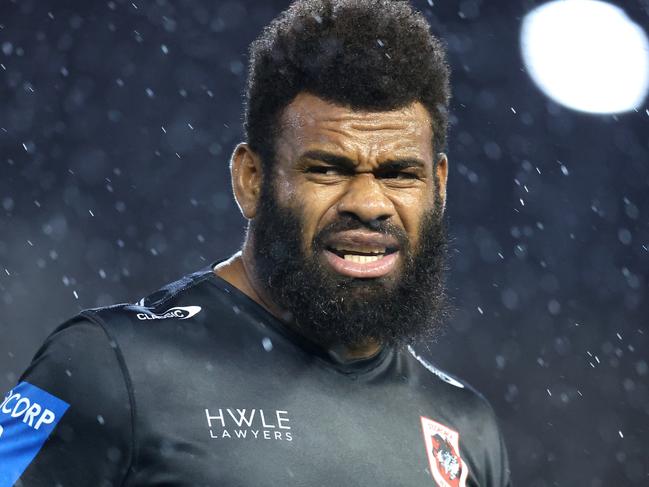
{"x": 399, "y": 175}
{"x": 326, "y": 170}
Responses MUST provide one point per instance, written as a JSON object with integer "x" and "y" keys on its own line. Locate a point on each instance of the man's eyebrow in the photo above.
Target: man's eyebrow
{"x": 336, "y": 160}
{"x": 330, "y": 158}
{"x": 401, "y": 163}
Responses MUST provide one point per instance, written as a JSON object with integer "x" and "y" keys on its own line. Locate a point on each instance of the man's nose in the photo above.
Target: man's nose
{"x": 364, "y": 198}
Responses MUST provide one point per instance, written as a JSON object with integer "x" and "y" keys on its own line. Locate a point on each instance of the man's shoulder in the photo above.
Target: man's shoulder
{"x": 173, "y": 301}
{"x": 460, "y": 406}
{"x": 199, "y": 314}
{"x": 460, "y": 396}
{"x": 105, "y": 332}
{"x": 185, "y": 314}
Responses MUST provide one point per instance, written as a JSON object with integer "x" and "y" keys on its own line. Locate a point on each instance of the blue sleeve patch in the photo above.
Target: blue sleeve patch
{"x": 28, "y": 415}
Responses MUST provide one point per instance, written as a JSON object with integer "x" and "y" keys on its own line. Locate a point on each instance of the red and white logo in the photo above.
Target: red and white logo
{"x": 443, "y": 449}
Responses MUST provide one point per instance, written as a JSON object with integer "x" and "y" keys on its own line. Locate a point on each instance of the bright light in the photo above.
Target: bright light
{"x": 587, "y": 55}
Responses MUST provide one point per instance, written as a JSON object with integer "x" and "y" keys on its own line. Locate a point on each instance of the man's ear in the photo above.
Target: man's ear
{"x": 441, "y": 173}
{"x": 246, "y": 174}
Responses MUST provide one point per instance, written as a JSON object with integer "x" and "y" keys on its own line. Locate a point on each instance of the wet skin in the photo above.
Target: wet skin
{"x": 332, "y": 161}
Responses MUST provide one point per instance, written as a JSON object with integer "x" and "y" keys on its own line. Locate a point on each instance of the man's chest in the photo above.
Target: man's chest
{"x": 238, "y": 424}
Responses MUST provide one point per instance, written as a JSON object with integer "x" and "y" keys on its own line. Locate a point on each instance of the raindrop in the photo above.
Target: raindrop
{"x": 624, "y": 235}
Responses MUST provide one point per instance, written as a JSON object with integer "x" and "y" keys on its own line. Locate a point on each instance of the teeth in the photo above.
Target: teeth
{"x": 365, "y": 250}
{"x": 362, "y": 259}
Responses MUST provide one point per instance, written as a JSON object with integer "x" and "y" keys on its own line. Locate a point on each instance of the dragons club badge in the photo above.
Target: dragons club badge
{"x": 443, "y": 449}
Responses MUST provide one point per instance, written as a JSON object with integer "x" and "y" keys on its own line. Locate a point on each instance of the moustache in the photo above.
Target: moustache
{"x": 350, "y": 222}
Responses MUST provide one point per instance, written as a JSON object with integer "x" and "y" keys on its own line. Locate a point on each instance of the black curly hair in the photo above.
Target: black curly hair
{"x": 366, "y": 54}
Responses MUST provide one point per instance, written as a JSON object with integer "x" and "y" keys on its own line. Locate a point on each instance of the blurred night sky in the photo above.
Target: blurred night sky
{"x": 117, "y": 120}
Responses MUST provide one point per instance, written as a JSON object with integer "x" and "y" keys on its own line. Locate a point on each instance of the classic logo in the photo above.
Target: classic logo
{"x": 179, "y": 312}
{"x": 443, "y": 449}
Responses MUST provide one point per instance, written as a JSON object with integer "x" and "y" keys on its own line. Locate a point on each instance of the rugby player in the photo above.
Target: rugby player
{"x": 296, "y": 361}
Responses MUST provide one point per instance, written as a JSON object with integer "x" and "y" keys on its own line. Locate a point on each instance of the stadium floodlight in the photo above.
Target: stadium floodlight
{"x": 587, "y": 55}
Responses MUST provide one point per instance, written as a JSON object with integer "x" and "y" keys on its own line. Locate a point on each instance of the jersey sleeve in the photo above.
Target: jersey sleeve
{"x": 507, "y": 474}
{"x": 68, "y": 420}
{"x": 497, "y": 470}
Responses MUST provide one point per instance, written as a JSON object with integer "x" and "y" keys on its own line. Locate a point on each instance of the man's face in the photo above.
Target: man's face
{"x": 335, "y": 162}
{"x": 349, "y": 230}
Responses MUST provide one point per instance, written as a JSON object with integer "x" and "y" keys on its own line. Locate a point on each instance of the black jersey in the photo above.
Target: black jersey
{"x": 198, "y": 385}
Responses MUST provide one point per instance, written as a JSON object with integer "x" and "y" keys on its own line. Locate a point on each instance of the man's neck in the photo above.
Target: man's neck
{"x": 238, "y": 274}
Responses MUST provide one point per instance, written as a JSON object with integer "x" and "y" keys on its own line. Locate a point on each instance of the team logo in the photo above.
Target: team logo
{"x": 443, "y": 449}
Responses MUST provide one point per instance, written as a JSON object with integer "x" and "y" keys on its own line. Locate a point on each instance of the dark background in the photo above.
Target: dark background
{"x": 117, "y": 120}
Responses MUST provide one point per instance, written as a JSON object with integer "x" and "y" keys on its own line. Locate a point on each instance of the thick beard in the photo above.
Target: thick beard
{"x": 331, "y": 309}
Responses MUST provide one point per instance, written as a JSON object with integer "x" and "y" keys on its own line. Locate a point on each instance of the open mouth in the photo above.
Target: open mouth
{"x": 362, "y": 254}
